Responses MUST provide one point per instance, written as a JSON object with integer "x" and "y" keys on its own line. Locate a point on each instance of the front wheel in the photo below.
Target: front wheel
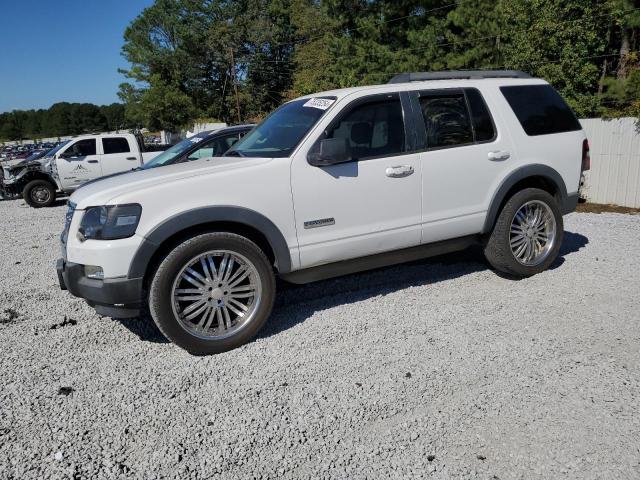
{"x": 39, "y": 193}
{"x": 528, "y": 234}
{"x": 212, "y": 293}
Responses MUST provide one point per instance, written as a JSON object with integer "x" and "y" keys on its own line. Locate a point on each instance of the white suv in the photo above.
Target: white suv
{"x": 330, "y": 184}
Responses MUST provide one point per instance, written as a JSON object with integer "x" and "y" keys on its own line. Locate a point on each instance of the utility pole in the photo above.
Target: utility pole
{"x": 235, "y": 85}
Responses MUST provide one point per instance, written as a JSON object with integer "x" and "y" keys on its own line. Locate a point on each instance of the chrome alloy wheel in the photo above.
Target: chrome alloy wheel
{"x": 532, "y": 233}
{"x": 216, "y": 294}
{"x": 40, "y": 194}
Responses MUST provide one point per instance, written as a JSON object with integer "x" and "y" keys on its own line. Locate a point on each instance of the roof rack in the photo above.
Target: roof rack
{"x": 457, "y": 75}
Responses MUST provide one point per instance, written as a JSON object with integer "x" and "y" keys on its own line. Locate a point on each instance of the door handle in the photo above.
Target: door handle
{"x": 92, "y": 161}
{"x": 399, "y": 171}
{"x": 498, "y": 155}
{"x": 132, "y": 158}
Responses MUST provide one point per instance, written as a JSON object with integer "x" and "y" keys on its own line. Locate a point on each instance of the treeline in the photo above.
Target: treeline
{"x": 236, "y": 60}
{"x": 181, "y": 51}
{"x": 62, "y": 119}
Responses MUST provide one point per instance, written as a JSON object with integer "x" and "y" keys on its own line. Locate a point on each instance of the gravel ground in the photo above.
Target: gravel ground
{"x": 439, "y": 368}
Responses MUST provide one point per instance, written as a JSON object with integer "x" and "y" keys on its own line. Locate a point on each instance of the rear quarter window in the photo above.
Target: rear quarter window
{"x": 540, "y": 109}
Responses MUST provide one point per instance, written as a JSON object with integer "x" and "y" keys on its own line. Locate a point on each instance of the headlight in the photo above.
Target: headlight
{"x": 109, "y": 222}
{"x": 92, "y": 271}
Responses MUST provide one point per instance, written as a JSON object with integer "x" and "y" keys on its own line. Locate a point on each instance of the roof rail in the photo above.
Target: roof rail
{"x": 457, "y": 75}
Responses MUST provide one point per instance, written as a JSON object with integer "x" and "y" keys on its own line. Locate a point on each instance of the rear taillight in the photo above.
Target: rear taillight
{"x": 586, "y": 158}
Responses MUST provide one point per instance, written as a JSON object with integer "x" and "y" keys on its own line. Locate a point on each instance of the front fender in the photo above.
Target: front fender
{"x": 203, "y": 216}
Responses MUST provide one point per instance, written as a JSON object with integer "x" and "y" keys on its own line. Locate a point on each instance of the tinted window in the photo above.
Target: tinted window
{"x": 170, "y": 155}
{"x": 374, "y": 129}
{"x": 446, "y": 119}
{"x": 82, "y": 148}
{"x": 480, "y": 116}
{"x": 56, "y": 149}
{"x": 215, "y": 147}
{"x": 540, "y": 109}
{"x": 115, "y": 145}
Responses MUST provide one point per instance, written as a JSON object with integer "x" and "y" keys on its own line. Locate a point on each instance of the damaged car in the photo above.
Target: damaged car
{"x": 82, "y": 159}
{"x": 16, "y": 175}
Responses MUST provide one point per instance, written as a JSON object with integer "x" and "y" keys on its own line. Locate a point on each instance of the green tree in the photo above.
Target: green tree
{"x": 620, "y": 74}
{"x": 265, "y": 57}
{"x": 60, "y": 119}
{"x": 114, "y": 116}
{"x": 315, "y": 36}
{"x": 561, "y": 42}
{"x": 474, "y": 33}
{"x": 184, "y": 47}
{"x": 180, "y": 50}
{"x": 13, "y": 125}
{"x": 377, "y": 37}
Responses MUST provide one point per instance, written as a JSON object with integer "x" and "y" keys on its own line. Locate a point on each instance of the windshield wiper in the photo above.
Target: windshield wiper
{"x": 234, "y": 153}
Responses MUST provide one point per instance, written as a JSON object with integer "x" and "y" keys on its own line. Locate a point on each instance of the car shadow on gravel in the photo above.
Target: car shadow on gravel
{"x": 301, "y": 301}
{"x": 144, "y": 328}
{"x": 295, "y": 303}
{"x": 572, "y": 242}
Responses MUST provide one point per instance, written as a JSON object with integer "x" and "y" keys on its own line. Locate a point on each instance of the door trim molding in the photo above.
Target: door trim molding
{"x": 347, "y": 267}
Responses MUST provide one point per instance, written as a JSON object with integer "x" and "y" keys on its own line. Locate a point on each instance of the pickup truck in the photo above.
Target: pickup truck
{"x": 63, "y": 169}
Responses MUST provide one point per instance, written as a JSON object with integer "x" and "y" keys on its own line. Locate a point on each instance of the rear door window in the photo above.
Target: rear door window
{"x": 446, "y": 119}
{"x": 540, "y": 109}
{"x": 483, "y": 128}
{"x": 115, "y": 145}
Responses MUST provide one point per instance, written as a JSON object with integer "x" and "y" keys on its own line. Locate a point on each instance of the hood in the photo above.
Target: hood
{"x": 8, "y": 164}
{"x": 105, "y": 191}
{"x": 25, "y": 163}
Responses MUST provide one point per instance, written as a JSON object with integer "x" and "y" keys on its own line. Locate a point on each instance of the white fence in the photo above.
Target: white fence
{"x": 615, "y": 162}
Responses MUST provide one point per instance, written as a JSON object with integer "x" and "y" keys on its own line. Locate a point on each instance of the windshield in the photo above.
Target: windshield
{"x": 178, "y": 149}
{"x": 54, "y": 150}
{"x": 36, "y": 155}
{"x": 281, "y": 132}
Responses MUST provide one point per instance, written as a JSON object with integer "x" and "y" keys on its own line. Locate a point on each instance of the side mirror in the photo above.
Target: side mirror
{"x": 330, "y": 151}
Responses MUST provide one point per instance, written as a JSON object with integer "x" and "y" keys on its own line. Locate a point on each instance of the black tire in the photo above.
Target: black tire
{"x": 161, "y": 301}
{"x": 498, "y": 249}
{"x": 39, "y": 193}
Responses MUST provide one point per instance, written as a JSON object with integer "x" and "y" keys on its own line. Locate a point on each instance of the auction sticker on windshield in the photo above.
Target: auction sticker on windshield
{"x": 321, "y": 103}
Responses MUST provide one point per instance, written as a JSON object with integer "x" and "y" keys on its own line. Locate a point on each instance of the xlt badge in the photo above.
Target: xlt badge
{"x": 322, "y": 222}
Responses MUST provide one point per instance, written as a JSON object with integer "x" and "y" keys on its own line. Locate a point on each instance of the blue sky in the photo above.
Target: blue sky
{"x": 62, "y": 50}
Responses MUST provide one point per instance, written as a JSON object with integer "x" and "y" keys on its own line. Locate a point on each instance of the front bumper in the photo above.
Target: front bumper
{"x": 9, "y": 188}
{"x": 113, "y": 297}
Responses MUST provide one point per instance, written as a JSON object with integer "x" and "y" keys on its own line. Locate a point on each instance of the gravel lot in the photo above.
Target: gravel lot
{"x": 439, "y": 368}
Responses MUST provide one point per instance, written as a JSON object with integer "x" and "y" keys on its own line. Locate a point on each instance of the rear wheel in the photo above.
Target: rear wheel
{"x": 528, "y": 234}
{"x": 39, "y": 193}
{"x": 212, "y": 293}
